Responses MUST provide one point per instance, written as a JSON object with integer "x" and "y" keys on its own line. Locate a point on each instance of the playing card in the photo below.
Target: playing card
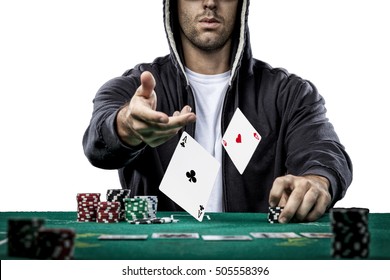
{"x": 123, "y": 237}
{"x": 190, "y": 176}
{"x": 275, "y": 235}
{"x": 226, "y": 237}
{"x": 240, "y": 140}
{"x": 173, "y": 235}
{"x": 317, "y": 234}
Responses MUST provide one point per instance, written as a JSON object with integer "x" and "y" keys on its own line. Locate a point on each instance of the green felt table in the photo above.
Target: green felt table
{"x": 87, "y": 245}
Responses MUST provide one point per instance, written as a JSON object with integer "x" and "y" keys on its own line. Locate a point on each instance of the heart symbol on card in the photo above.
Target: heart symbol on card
{"x": 256, "y": 136}
{"x": 238, "y": 139}
{"x": 224, "y": 143}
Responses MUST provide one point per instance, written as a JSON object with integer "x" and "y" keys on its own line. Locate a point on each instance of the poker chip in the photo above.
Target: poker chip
{"x": 118, "y": 195}
{"x": 274, "y": 213}
{"x": 119, "y": 206}
{"x": 27, "y": 238}
{"x": 87, "y": 204}
{"x": 108, "y": 212}
{"x": 55, "y": 244}
{"x": 135, "y": 208}
{"x": 22, "y": 237}
{"x": 351, "y": 237}
{"x": 152, "y": 204}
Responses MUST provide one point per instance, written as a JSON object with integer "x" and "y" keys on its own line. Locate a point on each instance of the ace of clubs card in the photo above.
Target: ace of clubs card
{"x": 190, "y": 176}
{"x": 240, "y": 140}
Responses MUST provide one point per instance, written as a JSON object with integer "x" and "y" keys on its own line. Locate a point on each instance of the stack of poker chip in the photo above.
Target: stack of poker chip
{"x": 87, "y": 206}
{"x": 135, "y": 209}
{"x": 55, "y": 244}
{"x": 351, "y": 236}
{"x": 108, "y": 212}
{"x": 274, "y": 213}
{"x": 118, "y": 195}
{"x": 152, "y": 204}
{"x": 22, "y": 237}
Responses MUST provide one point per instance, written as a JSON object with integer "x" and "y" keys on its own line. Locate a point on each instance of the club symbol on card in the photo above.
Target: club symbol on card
{"x": 183, "y": 142}
{"x": 238, "y": 139}
{"x": 191, "y": 176}
{"x": 200, "y": 211}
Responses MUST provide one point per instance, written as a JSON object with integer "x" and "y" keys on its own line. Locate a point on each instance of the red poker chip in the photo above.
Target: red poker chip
{"x": 88, "y": 195}
{"x": 80, "y": 205}
{"x": 108, "y": 218}
{"x": 55, "y": 243}
{"x": 86, "y": 216}
{"x": 93, "y": 199}
{"x": 109, "y": 204}
{"x": 107, "y": 221}
{"x": 94, "y": 205}
{"x": 88, "y": 199}
{"x": 86, "y": 220}
{"x": 109, "y": 207}
{"x": 87, "y": 207}
{"x": 108, "y": 211}
{"x": 107, "y": 215}
{"x": 87, "y": 203}
{"x": 86, "y": 212}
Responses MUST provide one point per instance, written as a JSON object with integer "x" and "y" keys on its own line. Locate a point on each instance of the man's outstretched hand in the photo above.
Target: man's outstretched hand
{"x": 139, "y": 121}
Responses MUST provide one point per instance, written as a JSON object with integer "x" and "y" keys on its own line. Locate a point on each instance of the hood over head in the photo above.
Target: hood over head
{"x": 240, "y": 43}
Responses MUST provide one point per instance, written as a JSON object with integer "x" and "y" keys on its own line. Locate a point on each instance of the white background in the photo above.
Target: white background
{"x": 54, "y": 55}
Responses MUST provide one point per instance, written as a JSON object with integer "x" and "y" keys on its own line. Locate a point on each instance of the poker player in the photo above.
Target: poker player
{"x": 138, "y": 118}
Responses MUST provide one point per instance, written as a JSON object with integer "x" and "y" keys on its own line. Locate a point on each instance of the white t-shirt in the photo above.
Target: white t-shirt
{"x": 209, "y": 92}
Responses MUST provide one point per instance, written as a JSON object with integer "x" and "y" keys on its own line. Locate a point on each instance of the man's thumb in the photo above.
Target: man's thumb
{"x": 147, "y": 84}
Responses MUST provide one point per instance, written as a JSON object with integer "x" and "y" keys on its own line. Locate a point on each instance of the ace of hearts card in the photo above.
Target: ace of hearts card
{"x": 240, "y": 140}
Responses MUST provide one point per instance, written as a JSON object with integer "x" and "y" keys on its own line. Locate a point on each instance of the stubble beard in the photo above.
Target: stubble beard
{"x": 210, "y": 43}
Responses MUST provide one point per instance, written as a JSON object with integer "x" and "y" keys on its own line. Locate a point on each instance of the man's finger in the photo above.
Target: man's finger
{"x": 307, "y": 204}
{"x": 148, "y": 83}
{"x": 180, "y": 120}
{"x": 293, "y": 203}
{"x": 146, "y": 114}
{"x": 277, "y": 190}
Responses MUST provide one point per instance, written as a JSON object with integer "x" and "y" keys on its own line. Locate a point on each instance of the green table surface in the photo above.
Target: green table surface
{"x": 87, "y": 245}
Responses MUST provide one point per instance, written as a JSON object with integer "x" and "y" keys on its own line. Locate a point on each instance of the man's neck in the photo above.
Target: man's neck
{"x": 207, "y": 62}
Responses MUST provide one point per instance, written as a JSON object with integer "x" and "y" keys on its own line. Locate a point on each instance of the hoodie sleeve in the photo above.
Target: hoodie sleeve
{"x": 101, "y": 143}
{"x": 311, "y": 143}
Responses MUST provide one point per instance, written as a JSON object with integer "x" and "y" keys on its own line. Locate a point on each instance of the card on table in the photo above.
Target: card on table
{"x": 240, "y": 140}
{"x": 317, "y": 234}
{"x": 226, "y": 237}
{"x": 190, "y": 176}
{"x": 175, "y": 235}
{"x": 275, "y": 235}
{"x": 123, "y": 237}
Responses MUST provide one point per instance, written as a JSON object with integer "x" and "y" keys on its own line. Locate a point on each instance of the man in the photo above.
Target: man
{"x": 138, "y": 118}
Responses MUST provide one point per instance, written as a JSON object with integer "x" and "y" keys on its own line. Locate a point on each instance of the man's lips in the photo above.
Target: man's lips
{"x": 209, "y": 22}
